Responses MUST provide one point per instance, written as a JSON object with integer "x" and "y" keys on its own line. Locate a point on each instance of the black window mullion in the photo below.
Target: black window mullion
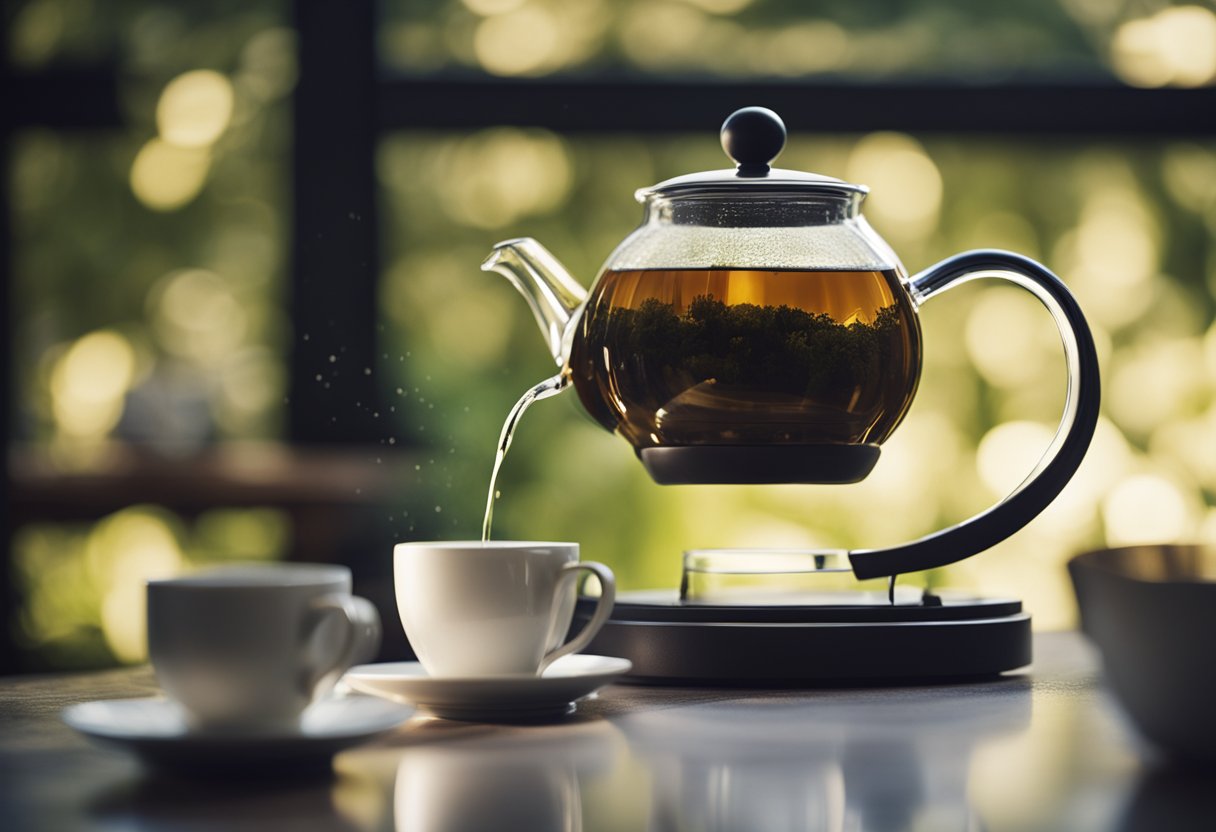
{"x": 334, "y": 253}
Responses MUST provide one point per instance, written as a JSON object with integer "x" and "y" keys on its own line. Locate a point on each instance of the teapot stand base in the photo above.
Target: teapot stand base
{"x": 759, "y": 464}
{"x": 674, "y": 643}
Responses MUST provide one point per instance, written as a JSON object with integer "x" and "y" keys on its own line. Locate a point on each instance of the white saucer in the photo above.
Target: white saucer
{"x": 156, "y": 729}
{"x": 491, "y": 698}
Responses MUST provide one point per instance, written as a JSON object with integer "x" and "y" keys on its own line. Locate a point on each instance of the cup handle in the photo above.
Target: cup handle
{"x": 603, "y": 609}
{"x": 361, "y": 624}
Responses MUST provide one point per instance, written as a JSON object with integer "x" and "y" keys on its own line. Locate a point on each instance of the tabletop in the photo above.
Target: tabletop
{"x": 1043, "y": 749}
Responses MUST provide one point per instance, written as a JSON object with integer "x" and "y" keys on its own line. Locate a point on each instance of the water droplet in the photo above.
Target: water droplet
{"x": 376, "y": 415}
{"x": 333, "y": 359}
{"x": 497, "y": 495}
{"x": 438, "y": 509}
{"x": 392, "y": 409}
{"x": 367, "y": 371}
{"x": 327, "y": 385}
{"x": 430, "y": 406}
{"x": 318, "y": 376}
{"x": 417, "y": 467}
{"x": 400, "y": 391}
{"x": 428, "y": 378}
{"x": 306, "y": 336}
{"x": 392, "y": 440}
{"x": 408, "y": 353}
{"x": 378, "y": 460}
{"x": 358, "y": 490}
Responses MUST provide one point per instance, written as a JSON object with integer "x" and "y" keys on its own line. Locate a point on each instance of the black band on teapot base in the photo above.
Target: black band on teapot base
{"x": 759, "y": 464}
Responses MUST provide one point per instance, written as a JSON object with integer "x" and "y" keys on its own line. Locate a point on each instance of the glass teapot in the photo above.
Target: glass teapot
{"x": 755, "y": 329}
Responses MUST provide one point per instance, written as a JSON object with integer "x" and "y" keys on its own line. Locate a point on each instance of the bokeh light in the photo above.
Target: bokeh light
{"x": 195, "y": 108}
{"x": 196, "y": 315}
{"x": 268, "y": 65}
{"x": 88, "y": 383}
{"x": 905, "y": 184}
{"x": 1074, "y": 515}
{"x": 37, "y": 29}
{"x": 1176, "y": 46}
{"x": 516, "y": 42}
{"x": 252, "y": 379}
{"x": 164, "y": 177}
{"x": 122, "y": 553}
{"x": 1189, "y": 172}
{"x": 486, "y": 8}
{"x": 493, "y": 178}
{"x": 471, "y": 328}
{"x": 1009, "y": 452}
{"x": 1149, "y": 508}
{"x": 1010, "y": 339}
{"x": 1112, "y": 255}
{"x": 1155, "y": 382}
{"x": 525, "y": 38}
{"x": 804, "y": 48}
{"x": 664, "y": 35}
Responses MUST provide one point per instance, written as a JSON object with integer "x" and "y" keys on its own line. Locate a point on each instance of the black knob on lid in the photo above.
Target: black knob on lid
{"x": 753, "y": 137}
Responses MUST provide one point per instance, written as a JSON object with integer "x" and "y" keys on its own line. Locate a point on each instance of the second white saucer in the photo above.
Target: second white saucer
{"x": 156, "y": 729}
{"x": 491, "y": 698}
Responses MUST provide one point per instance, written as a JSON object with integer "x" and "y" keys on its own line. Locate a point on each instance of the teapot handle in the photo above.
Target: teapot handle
{"x": 1067, "y": 449}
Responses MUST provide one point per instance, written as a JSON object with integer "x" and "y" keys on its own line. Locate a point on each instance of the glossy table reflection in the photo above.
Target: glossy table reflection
{"x": 1041, "y": 750}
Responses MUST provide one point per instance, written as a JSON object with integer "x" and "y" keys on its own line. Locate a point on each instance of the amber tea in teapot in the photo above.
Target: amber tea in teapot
{"x": 722, "y": 356}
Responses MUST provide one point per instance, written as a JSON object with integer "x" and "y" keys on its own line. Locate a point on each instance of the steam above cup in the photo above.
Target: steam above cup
{"x": 249, "y": 647}
{"x": 473, "y": 609}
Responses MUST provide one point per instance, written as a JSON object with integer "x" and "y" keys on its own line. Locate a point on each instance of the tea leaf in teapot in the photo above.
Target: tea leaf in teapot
{"x": 779, "y": 348}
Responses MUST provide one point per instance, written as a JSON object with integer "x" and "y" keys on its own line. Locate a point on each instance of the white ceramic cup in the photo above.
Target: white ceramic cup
{"x": 473, "y": 609}
{"x": 251, "y": 646}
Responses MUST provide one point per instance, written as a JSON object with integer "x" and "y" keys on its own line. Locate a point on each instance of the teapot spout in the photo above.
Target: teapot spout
{"x": 550, "y": 291}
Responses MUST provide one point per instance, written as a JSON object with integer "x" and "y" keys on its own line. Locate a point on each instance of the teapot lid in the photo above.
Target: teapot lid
{"x": 752, "y": 137}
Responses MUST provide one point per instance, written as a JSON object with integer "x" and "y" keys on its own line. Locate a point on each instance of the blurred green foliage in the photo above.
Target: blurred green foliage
{"x": 747, "y": 37}
{"x": 185, "y": 286}
{"x": 92, "y": 250}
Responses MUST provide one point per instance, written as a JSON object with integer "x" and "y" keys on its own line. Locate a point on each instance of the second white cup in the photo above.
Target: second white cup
{"x": 250, "y": 646}
{"x": 473, "y": 609}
